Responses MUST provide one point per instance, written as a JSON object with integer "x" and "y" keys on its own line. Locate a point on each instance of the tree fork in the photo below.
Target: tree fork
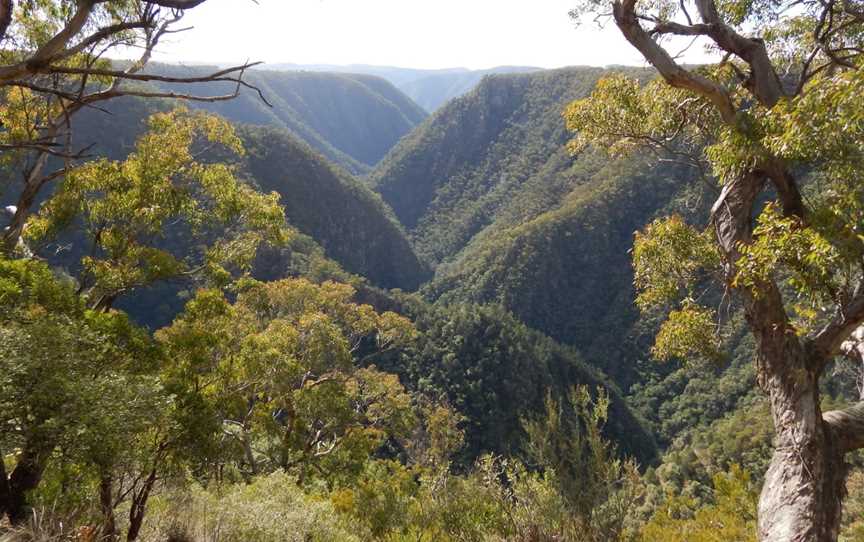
{"x": 803, "y": 490}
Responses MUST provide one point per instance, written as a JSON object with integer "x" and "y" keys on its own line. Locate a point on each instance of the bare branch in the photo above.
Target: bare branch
{"x": 47, "y": 148}
{"x": 848, "y": 426}
{"x": 107, "y": 95}
{"x": 678, "y": 29}
{"x": 628, "y": 22}
{"x": 826, "y": 344}
{"x": 221, "y": 75}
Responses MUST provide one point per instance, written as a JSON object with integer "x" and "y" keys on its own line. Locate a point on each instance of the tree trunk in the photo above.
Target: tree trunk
{"x": 24, "y": 478}
{"x": 106, "y": 504}
{"x": 139, "y": 506}
{"x": 803, "y": 490}
{"x": 4, "y": 487}
{"x": 802, "y": 495}
{"x": 26, "y": 200}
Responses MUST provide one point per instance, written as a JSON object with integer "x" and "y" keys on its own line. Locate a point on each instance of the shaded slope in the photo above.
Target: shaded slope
{"x": 567, "y": 272}
{"x": 497, "y": 372}
{"x": 353, "y": 120}
{"x": 451, "y": 177}
{"x": 341, "y": 214}
{"x": 348, "y": 220}
{"x": 490, "y": 194}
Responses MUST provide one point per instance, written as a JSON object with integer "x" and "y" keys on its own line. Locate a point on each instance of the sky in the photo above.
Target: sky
{"x": 474, "y": 34}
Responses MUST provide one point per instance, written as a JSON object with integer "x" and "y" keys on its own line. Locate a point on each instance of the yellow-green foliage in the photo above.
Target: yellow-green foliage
{"x": 271, "y": 509}
{"x": 669, "y": 257}
{"x": 622, "y": 114}
{"x": 688, "y": 332}
{"x": 594, "y": 490}
{"x": 279, "y": 366}
{"x": 853, "y": 509}
{"x": 813, "y": 266}
{"x": 127, "y": 205}
{"x": 581, "y": 491}
{"x": 73, "y": 379}
{"x": 731, "y": 518}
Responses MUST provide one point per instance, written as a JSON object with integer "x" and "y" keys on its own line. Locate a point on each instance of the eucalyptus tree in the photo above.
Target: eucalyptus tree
{"x": 72, "y": 379}
{"x": 122, "y": 209}
{"x": 779, "y": 120}
{"x": 275, "y": 380}
{"x": 55, "y": 60}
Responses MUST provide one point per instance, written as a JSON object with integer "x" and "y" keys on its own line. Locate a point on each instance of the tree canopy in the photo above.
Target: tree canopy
{"x": 776, "y": 122}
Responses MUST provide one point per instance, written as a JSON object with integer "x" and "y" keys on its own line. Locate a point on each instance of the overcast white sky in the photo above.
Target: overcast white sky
{"x": 407, "y": 33}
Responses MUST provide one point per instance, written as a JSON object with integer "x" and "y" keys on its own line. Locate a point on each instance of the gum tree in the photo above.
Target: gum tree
{"x": 780, "y": 123}
{"x": 275, "y": 379}
{"x": 54, "y": 62}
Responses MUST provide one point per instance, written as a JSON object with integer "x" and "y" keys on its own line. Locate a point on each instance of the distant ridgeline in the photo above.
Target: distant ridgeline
{"x": 429, "y": 88}
{"x": 352, "y": 119}
{"x": 336, "y": 212}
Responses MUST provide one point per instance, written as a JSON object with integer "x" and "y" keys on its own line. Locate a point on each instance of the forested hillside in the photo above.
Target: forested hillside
{"x": 491, "y": 195}
{"x": 352, "y": 119}
{"x": 430, "y": 89}
{"x": 574, "y": 305}
{"x": 321, "y": 200}
{"x": 351, "y": 223}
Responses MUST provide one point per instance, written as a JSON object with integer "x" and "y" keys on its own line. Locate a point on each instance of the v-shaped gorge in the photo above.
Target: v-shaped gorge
{"x": 493, "y": 199}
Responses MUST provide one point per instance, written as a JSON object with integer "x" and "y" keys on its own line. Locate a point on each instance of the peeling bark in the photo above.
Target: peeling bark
{"x": 802, "y": 495}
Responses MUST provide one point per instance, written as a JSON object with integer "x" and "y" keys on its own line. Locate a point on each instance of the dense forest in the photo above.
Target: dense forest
{"x": 580, "y": 304}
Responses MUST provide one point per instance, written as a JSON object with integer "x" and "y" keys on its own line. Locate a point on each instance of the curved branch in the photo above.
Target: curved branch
{"x": 847, "y": 426}
{"x": 56, "y": 48}
{"x": 98, "y": 36}
{"x": 53, "y": 47}
{"x": 624, "y": 12}
{"x": 764, "y": 81}
{"x": 827, "y": 343}
{"x": 788, "y": 192}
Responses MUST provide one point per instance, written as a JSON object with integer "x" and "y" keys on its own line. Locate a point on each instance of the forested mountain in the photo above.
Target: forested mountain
{"x": 322, "y": 201}
{"x": 585, "y": 304}
{"x": 434, "y": 90}
{"x": 505, "y": 370}
{"x": 348, "y": 220}
{"x": 352, "y": 119}
{"x": 428, "y": 88}
{"x": 496, "y": 372}
{"x": 491, "y": 195}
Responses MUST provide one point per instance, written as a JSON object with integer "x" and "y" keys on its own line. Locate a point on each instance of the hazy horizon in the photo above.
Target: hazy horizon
{"x": 391, "y": 33}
